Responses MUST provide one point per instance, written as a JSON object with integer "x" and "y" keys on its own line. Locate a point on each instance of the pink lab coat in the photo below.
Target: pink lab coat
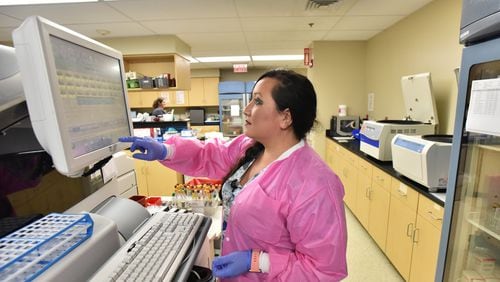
{"x": 293, "y": 210}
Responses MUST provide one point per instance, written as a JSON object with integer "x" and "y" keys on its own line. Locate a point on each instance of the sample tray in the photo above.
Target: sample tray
{"x": 29, "y": 251}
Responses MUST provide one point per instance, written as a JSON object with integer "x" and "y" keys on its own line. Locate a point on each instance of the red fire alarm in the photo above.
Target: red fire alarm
{"x": 308, "y": 61}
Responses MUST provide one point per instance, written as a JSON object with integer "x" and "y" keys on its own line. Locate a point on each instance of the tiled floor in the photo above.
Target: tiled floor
{"x": 365, "y": 261}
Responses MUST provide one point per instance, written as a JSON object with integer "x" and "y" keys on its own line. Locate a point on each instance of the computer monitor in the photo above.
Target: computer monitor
{"x": 76, "y": 94}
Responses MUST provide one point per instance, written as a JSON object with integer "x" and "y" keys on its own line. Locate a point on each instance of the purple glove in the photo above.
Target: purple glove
{"x": 150, "y": 149}
{"x": 233, "y": 264}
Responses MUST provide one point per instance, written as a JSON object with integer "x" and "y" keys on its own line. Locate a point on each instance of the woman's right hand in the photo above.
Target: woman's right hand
{"x": 150, "y": 148}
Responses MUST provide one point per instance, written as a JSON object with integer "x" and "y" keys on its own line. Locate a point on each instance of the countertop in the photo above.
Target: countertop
{"x": 353, "y": 146}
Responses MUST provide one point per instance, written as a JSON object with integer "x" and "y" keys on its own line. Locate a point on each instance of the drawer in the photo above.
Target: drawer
{"x": 381, "y": 178}
{"x": 431, "y": 211}
{"x": 405, "y": 194}
{"x": 364, "y": 168}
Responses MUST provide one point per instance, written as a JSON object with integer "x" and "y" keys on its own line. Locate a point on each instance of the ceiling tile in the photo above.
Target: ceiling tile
{"x": 5, "y": 34}
{"x": 174, "y": 9}
{"x": 275, "y": 48}
{"x": 350, "y": 34}
{"x": 284, "y": 35}
{"x": 115, "y": 29}
{"x": 68, "y": 13}
{"x": 193, "y": 26}
{"x": 387, "y": 7}
{"x": 366, "y": 22}
{"x": 6, "y": 21}
{"x": 288, "y": 23}
{"x": 265, "y": 8}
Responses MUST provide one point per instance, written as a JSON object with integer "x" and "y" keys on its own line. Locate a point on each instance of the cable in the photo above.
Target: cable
{"x": 196, "y": 273}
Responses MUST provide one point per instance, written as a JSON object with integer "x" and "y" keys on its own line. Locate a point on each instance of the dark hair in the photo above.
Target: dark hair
{"x": 157, "y": 102}
{"x": 295, "y": 92}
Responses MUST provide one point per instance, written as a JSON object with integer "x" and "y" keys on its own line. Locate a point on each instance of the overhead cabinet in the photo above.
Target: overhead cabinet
{"x": 204, "y": 91}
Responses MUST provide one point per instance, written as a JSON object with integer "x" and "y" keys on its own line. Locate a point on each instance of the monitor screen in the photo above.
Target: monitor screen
{"x": 91, "y": 91}
{"x": 76, "y": 94}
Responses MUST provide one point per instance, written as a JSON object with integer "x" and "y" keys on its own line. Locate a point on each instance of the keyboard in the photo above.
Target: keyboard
{"x": 155, "y": 252}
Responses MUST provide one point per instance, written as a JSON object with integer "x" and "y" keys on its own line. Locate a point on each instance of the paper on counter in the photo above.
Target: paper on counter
{"x": 484, "y": 107}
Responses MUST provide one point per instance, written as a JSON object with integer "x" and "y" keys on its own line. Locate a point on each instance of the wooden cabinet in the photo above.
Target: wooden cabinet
{"x": 155, "y": 179}
{"x": 426, "y": 237}
{"x": 333, "y": 155}
{"x": 405, "y": 224}
{"x": 342, "y": 162}
{"x": 205, "y": 128}
{"x": 204, "y": 91}
{"x": 400, "y": 227}
{"x": 379, "y": 198}
{"x": 145, "y": 99}
{"x": 154, "y": 65}
{"x": 363, "y": 187}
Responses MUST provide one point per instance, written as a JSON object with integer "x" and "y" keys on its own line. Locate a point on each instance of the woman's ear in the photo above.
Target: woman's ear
{"x": 286, "y": 119}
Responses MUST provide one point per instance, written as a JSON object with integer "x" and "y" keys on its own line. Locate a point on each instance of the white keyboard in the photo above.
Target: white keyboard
{"x": 155, "y": 251}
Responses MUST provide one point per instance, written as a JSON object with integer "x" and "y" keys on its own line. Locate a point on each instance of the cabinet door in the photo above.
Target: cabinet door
{"x": 362, "y": 211}
{"x": 211, "y": 91}
{"x": 399, "y": 236}
{"x": 333, "y": 156}
{"x": 178, "y": 98}
{"x": 349, "y": 179}
{"x": 134, "y": 99}
{"x": 161, "y": 179}
{"x": 379, "y": 214}
{"x": 196, "y": 95}
{"x": 425, "y": 251}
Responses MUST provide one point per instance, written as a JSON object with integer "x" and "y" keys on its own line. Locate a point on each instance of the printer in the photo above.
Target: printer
{"x": 421, "y": 118}
{"x": 423, "y": 159}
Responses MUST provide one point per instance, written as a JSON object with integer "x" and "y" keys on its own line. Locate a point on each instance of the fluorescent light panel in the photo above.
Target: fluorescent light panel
{"x": 235, "y": 59}
{"x": 278, "y": 58}
{"x": 223, "y": 59}
{"x": 37, "y": 2}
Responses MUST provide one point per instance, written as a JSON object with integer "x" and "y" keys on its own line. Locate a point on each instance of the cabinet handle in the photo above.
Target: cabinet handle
{"x": 415, "y": 236}
{"x": 409, "y": 229}
{"x": 433, "y": 216}
{"x": 369, "y": 193}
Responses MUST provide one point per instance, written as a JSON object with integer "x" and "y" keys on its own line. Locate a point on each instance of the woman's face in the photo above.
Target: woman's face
{"x": 164, "y": 103}
{"x": 262, "y": 119}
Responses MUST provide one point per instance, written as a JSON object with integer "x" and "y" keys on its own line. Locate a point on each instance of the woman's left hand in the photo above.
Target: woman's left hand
{"x": 233, "y": 264}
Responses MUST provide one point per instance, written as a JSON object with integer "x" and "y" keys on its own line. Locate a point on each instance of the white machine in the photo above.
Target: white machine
{"x": 421, "y": 118}
{"x": 423, "y": 159}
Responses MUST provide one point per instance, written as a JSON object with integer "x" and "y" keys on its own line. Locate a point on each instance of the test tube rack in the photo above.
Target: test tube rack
{"x": 29, "y": 251}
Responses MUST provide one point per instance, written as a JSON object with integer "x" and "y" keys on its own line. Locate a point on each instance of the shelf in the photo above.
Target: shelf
{"x": 473, "y": 219}
{"x": 150, "y": 89}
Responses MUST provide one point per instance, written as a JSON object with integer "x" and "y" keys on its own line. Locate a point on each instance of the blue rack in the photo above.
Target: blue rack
{"x": 28, "y": 252}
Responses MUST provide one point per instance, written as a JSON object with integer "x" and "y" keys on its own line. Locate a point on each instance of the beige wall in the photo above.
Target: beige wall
{"x": 338, "y": 76}
{"x": 345, "y": 72}
{"x": 426, "y": 41}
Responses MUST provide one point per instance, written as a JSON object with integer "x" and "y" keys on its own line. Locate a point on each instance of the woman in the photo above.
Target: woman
{"x": 158, "y": 106}
{"x": 283, "y": 205}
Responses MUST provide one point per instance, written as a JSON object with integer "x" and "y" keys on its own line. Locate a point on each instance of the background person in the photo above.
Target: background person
{"x": 283, "y": 207}
{"x": 158, "y": 106}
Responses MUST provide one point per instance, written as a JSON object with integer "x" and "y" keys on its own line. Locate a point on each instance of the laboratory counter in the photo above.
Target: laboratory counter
{"x": 386, "y": 166}
{"x": 161, "y": 124}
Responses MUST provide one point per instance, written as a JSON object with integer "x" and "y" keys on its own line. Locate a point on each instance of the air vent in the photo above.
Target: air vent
{"x": 317, "y": 4}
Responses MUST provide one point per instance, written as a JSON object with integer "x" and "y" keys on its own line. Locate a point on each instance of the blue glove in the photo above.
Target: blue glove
{"x": 150, "y": 149}
{"x": 234, "y": 264}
